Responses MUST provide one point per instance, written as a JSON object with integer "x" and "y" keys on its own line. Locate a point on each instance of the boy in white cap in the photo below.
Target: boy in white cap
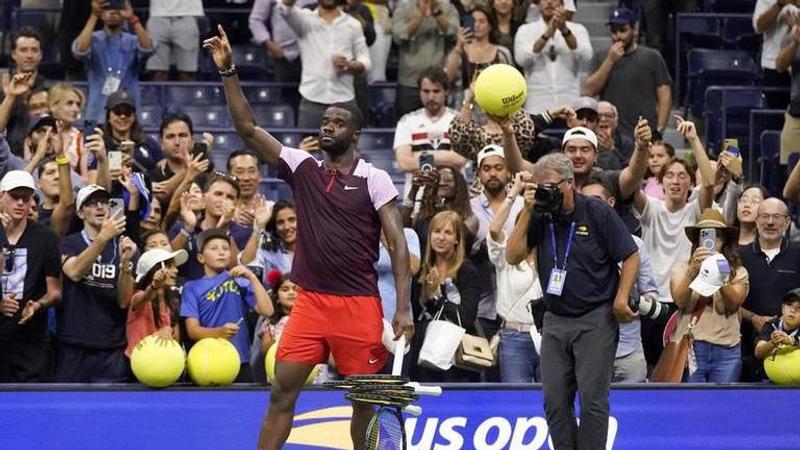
{"x": 91, "y": 319}
{"x": 30, "y": 283}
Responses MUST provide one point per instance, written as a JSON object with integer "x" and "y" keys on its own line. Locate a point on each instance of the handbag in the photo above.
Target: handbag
{"x": 675, "y": 356}
{"x": 474, "y": 353}
{"x": 442, "y": 339}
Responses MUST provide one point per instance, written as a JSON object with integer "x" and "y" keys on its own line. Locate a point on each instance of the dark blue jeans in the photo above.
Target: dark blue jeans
{"x": 716, "y": 364}
{"x": 519, "y": 361}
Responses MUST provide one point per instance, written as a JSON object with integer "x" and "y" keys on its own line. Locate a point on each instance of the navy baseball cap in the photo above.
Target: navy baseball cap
{"x": 621, "y": 16}
{"x": 791, "y": 296}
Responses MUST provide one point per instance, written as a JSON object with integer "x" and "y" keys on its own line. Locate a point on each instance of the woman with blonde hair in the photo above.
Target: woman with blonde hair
{"x": 66, "y": 102}
{"x": 447, "y": 281}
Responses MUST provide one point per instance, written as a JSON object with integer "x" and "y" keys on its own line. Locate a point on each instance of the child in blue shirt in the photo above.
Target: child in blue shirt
{"x": 215, "y": 305}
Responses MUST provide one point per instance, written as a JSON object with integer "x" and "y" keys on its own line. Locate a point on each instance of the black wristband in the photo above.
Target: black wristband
{"x": 566, "y": 33}
{"x": 228, "y": 72}
{"x": 544, "y": 37}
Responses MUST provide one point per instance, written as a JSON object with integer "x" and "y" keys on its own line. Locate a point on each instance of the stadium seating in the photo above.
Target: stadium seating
{"x": 716, "y": 67}
{"x": 274, "y": 116}
{"x": 193, "y": 95}
{"x": 727, "y": 113}
{"x": 761, "y": 120}
{"x": 150, "y": 116}
{"x": 771, "y": 176}
{"x": 376, "y": 139}
{"x": 727, "y": 6}
{"x": 206, "y": 116}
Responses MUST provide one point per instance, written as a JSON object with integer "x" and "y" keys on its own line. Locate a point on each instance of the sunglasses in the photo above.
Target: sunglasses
{"x": 124, "y": 111}
{"x": 217, "y": 175}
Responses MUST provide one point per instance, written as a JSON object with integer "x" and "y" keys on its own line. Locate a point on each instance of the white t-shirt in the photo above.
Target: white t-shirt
{"x": 517, "y": 285}
{"x": 423, "y": 133}
{"x": 774, "y": 35}
{"x": 176, "y": 8}
{"x": 664, "y": 235}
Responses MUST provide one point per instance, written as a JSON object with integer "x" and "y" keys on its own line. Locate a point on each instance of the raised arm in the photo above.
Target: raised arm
{"x": 398, "y": 253}
{"x": 764, "y": 18}
{"x": 82, "y": 44}
{"x": 263, "y": 304}
{"x": 135, "y": 25}
{"x": 630, "y": 178}
{"x": 514, "y": 160}
{"x": 268, "y": 148}
{"x": 76, "y": 267}
{"x": 788, "y": 52}
{"x": 517, "y": 248}
{"x": 63, "y": 211}
{"x": 689, "y": 131}
{"x": 499, "y": 220}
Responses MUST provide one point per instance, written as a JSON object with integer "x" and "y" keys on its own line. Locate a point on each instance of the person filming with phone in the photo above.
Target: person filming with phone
{"x": 579, "y": 242}
{"x": 708, "y": 290}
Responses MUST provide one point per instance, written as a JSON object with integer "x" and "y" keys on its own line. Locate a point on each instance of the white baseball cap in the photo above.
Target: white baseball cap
{"x": 152, "y": 258}
{"x": 714, "y": 271}
{"x": 579, "y": 133}
{"x": 17, "y": 179}
{"x": 490, "y": 150}
{"x": 85, "y": 192}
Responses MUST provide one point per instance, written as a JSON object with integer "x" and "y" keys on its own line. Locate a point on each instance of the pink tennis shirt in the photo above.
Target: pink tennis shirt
{"x": 338, "y": 228}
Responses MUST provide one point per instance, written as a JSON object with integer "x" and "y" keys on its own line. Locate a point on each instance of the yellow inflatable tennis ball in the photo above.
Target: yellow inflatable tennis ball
{"x": 500, "y": 90}
{"x": 784, "y": 367}
{"x": 213, "y": 362}
{"x": 269, "y": 365}
{"x": 158, "y": 362}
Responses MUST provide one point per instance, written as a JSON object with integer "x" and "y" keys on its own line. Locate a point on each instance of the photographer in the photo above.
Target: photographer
{"x": 578, "y": 242}
{"x": 708, "y": 290}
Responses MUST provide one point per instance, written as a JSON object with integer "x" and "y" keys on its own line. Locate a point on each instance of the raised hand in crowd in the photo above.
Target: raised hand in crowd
{"x": 98, "y": 6}
{"x": 643, "y": 134}
{"x": 127, "y": 11}
{"x": 41, "y": 152}
{"x": 699, "y": 255}
{"x": 18, "y": 85}
{"x": 309, "y": 144}
{"x": 188, "y": 216}
{"x": 529, "y": 192}
{"x": 732, "y": 164}
{"x": 229, "y": 210}
{"x": 111, "y": 228}
{"x": 263, "y": 212}
{"x": 687, "y": 129}
{"x": 208, "y": 139}
{"x": 127, "y": 248}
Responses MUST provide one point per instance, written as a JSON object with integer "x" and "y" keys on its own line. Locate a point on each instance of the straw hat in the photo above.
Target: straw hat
{"x": 712, "y": 218}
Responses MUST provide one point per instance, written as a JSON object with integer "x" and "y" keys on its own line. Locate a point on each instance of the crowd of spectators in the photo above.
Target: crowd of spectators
{"x": 110, "y": 234}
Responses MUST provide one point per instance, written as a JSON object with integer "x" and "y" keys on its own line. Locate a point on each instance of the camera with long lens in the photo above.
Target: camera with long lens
{"x": 549, "y": 198}
{"x": 648, "y": 306}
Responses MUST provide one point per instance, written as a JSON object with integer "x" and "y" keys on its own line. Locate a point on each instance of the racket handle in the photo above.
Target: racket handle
{"x": 397, "y": 366}
{"x": 425, "y": 390}
{"x": 414, "y": 410}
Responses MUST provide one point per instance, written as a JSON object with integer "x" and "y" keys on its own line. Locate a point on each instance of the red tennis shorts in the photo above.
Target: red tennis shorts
{"x": 349, "y": 327}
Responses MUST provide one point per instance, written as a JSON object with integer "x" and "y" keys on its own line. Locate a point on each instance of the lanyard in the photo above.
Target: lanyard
{"x": 792, "y": 334}
{"x": 555, "y": 244}
{"x": 114, "y": 57}
{"x": 113, "y": 247}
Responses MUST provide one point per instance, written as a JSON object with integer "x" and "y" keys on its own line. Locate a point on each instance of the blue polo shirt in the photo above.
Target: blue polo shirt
{"x": 601, "y": 241}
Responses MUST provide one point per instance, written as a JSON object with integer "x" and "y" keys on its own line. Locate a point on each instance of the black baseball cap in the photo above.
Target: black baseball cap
{"x": 209, "y": 234}
{"x": 621, "y": 16}
{"x": 791, "y": 296}
{"x": 42, "y": 120}
{"x": 120, "y": 98}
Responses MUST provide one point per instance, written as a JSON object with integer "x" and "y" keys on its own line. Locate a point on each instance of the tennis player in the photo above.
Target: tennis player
{"x": 342, "y": 204}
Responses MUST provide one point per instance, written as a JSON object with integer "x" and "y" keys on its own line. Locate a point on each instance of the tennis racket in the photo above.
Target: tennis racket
{"x": 385, "y": 430}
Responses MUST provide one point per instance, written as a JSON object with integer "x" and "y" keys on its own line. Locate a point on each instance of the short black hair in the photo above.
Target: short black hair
{"x": 436, "y": 75}
{"x": 176, "y": 117}
{"x": 356, "y": 117}
{"x": 27, "y": 32}
{"x": 242, "y": 152}
{"x": 608, "y": 191}
{"x": 47, "y": 159}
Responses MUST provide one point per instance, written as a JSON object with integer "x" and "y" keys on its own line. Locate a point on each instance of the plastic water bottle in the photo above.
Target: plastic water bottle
{"x": 451, "y": 292}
